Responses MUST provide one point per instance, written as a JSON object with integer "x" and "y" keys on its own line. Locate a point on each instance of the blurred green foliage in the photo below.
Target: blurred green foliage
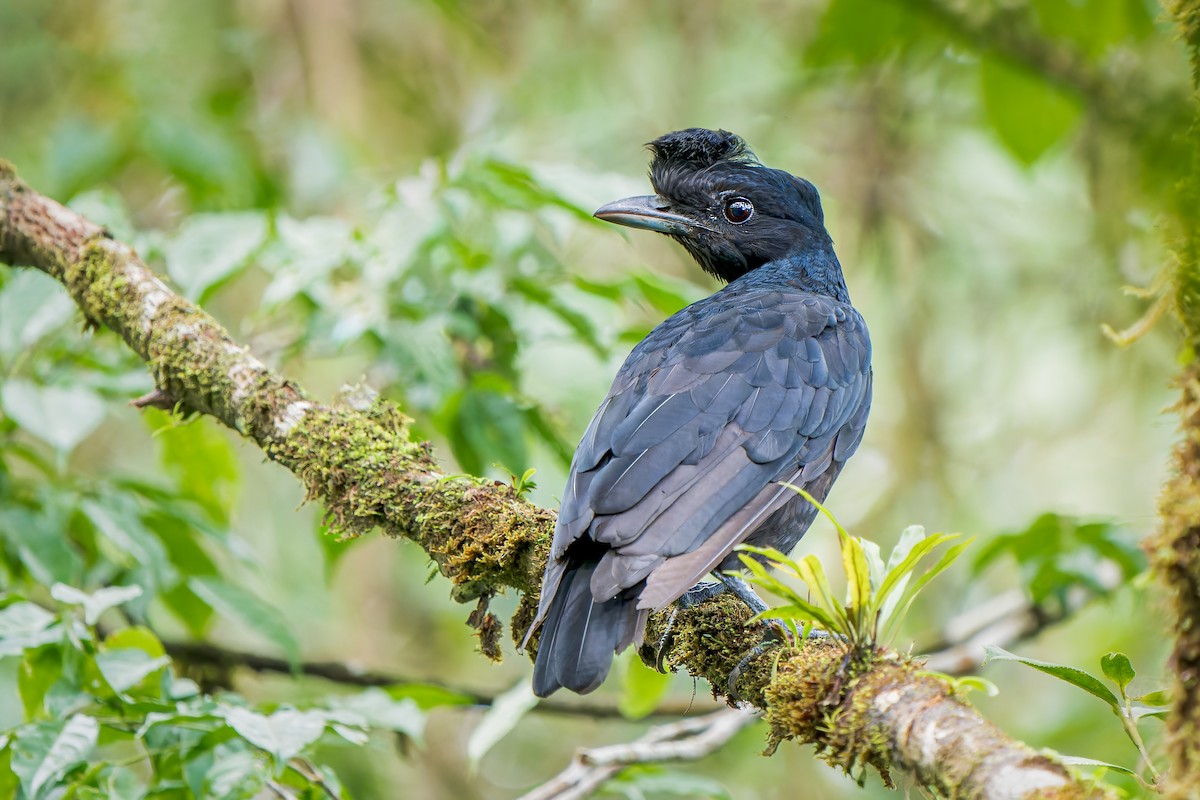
{"x": 401, "y": 192}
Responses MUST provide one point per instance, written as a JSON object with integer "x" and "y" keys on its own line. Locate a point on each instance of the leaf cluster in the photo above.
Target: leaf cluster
{"x": 878, "y": 593}
{"x": 107, "y": 716}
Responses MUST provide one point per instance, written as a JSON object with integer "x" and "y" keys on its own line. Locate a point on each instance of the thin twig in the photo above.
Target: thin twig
{"x": 208, "y": 654}
{"x": 686, "y": 740}
{"x": 1005, "y": 620}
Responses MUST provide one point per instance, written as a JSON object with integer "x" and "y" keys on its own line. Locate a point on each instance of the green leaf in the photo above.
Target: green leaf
{"x": 45, "y": 752}
{"x": 235, "y": 602}
{"x": 802, "y": 610}
{"x": 283, "y": 734}
{"x": 486, "y": 425}
{"x": 1094, "y": 27}
{"x": 895, "y": 584}
{"x": 97, "y": 602}
{"x": 24, "y": 625}
{"x": 40, "y": 668}
{"x": 1162, "y": 697}
{"x": 506, "y": 711}
{"x": 1028, "y": 113}
{"x": 62, "y": 417}
{"x": 1158, "y": 712}
{"x": 843, "y": 36}
{"x": 978, "y": 684}
{"x": 858, "y": 574}
{"x": 1118, "y": 669}
{"x": 1078, "y": 761}
{"x": 125, "y": 668}
{"x": 910, "y": 593}
{"x": 208, "y": 248}
{"x": 427, "y": 695}
{"x": 642, "y": 689}
{"x": 1076, "y": 677}
{"x": 813, "y": 575}
{"x": 202, "y": 460}
{"x": 230, "y": 771}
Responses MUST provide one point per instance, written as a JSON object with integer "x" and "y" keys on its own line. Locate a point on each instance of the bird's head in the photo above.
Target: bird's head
{"x": 714, "y": 197}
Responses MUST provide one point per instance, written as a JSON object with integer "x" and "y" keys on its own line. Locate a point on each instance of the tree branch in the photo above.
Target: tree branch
{"x": 357, "y": 458}
{"x": 686, "y": 740}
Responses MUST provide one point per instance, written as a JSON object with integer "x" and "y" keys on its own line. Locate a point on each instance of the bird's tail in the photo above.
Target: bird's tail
{"x": 580, "y": 636}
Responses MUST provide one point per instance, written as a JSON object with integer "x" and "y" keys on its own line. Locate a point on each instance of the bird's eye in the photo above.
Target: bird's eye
{"x": 738, "y": 210}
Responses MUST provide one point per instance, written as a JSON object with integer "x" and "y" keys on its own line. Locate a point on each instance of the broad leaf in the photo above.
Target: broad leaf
{"x": 283, "y": 734}
{"x": 45, "y": 752}
{"x": 127, "y": 667}
{"x": 1076, "y": 677}
{"x": 62, "y": 417}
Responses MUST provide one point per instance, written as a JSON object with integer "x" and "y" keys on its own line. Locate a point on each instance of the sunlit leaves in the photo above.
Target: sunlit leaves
{"x": 282, "y": 734}
{"x": 42, "y": 753}
{"x": 79, "y": 692}
{"x": 23, "y": 626}
{"x": 95, "y": 603}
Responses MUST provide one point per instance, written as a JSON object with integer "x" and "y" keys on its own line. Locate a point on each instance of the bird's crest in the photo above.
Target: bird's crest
{"x": 681, "y": 154}
{"x": 700, "y": 148}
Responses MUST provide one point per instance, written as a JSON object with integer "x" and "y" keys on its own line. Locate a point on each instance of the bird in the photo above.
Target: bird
{"x": 765, "y": 382}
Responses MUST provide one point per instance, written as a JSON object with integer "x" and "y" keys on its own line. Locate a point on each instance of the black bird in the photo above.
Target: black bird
{"x": 766, "y": 381}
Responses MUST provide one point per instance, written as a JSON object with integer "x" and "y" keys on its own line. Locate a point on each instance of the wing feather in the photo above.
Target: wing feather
{"x": 723, "y": 400}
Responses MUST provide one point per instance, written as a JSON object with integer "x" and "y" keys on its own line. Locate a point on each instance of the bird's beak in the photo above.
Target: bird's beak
{"x": 651, "y": 212}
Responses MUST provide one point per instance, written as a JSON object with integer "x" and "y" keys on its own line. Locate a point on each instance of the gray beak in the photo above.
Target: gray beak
{"x": 648, "y": 211}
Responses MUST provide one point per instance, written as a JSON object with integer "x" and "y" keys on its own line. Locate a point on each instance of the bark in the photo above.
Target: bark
{"x": 357, "y": 458}
{"x": 1175, "y": 549}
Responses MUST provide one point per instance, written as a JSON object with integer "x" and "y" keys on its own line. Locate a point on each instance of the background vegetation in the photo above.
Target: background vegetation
{"x": 400, "y": 194}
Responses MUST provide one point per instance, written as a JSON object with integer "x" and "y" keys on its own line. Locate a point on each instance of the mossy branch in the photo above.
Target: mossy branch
{"x": 357, "y": 458}
{"x": 1175, "y": 549}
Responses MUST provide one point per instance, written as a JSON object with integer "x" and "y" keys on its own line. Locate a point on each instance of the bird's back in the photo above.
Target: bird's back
{"x": 760, "y": 383}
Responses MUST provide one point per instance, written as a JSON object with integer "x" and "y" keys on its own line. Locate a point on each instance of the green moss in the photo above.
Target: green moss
{"x": 821, "y": 695}
{"x": 367, "y": 471}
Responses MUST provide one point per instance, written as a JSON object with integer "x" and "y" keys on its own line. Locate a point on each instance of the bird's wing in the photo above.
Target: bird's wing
{"x": 679, "y": 464}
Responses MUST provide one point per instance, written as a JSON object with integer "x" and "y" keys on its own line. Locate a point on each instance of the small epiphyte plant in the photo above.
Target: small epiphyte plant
{"x": 1130, "y": 709}
{"x": 878, "y": 593}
